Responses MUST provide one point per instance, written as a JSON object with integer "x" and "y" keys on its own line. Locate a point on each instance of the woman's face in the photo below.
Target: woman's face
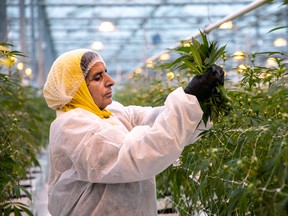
{"x": 99, "y": 84}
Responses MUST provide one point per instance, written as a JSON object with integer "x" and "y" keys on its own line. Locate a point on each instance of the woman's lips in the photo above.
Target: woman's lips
{"x": 109, "y": 94}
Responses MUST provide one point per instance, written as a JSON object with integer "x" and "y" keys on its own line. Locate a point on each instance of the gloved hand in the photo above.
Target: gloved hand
{"x": 202, "y": 86}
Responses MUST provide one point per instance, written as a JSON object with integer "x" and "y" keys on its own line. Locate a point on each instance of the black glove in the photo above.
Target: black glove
{"x": 202, "y": 86}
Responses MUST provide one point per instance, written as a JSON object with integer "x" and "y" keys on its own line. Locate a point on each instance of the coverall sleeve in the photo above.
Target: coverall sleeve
{"x": 116, "y": 155}
{"x": 135, "y": 115}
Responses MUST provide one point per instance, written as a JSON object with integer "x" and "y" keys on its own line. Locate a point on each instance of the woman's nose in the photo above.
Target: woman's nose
{"x": 109, "y": 80}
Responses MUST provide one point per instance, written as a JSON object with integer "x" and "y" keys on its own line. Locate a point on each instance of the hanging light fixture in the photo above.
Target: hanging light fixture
{"x": 164, "y": 57}
{"x": 239, "y": 55}
{"x": 241, "y": 68}
{"x": 280, "y": 42}
{"x": 28, "y": 71}
{"x": 20, "y": 66}
{"x": 138, "y": 70}
{"x": 106, "y": 27}
{"x": 226, "y": 25}
{"x": 149, "y": 63}
{"x": 271, "y": 62}
{"x": 97, "y": 45}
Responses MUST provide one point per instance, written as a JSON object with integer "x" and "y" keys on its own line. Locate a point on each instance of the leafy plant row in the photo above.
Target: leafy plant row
{"x": 24, "y": 127}
{"x": 240, "y": 166}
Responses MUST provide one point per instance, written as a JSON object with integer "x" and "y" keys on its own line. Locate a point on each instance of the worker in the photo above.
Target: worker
{"x": 104, "y": 156}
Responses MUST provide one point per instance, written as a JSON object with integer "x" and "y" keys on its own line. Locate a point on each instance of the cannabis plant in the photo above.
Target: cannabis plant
{"x": 196, "y": 58}
{"x": 23, "y": 133}
{"x": 240, "y": 167}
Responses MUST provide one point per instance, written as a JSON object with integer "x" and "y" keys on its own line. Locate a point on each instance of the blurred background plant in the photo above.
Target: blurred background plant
{"x": 24, "y": 123}
{"x": 240, "y": 166}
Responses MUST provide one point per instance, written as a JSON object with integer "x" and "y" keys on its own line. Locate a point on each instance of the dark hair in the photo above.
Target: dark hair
{"x": 86, "y": 59}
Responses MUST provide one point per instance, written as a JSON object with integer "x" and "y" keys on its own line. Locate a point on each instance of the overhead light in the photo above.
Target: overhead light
{"x": 149, "y": 63}
{"x": 280, "y": 42}
{"x": 241, "y": 68}
{"x": 239, "y": 55}
{"x": 20, "y": 66}
{"x": 138, "y": 70}
{"x": 226, "y": 25}
{"x": 106, "y": 27}
{"x": 164, "y": 57}
{"x": 28, "y": 71}
{"x": 271, "y": 62}
{"x": 97, "y": 45}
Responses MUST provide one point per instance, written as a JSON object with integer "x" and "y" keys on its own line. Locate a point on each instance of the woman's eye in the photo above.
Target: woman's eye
{"x": 97, "y": 78}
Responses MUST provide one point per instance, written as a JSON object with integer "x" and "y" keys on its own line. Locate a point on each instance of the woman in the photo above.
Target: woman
{"x": 104, "y": 156}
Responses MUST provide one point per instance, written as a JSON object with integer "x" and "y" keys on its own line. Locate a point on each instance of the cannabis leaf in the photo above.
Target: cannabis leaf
{"x": 197, "y": 57}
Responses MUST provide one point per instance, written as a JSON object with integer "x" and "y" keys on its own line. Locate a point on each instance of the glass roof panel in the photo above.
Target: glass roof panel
{"x": 143, "y": 28}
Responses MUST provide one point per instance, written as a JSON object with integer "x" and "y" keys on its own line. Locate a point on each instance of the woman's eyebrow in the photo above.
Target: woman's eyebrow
{"x": 98, "y": 73}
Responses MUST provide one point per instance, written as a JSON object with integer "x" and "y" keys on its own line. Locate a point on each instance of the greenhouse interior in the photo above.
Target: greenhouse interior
{"x": 239, "y": 166}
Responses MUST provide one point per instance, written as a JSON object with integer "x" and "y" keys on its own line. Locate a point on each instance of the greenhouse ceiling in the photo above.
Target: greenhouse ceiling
{"x": 129, "y": 32}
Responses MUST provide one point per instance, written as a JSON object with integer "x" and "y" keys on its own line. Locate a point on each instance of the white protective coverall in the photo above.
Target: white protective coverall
{"x": 105, "y": 167}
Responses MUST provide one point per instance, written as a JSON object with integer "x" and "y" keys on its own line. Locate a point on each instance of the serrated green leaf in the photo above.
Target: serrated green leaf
{"x": 192, "y": 67}
{"x": 204, "y": 52}
{"x": 28, "y": 194}
{"x": 25, "y": 209}
{"x": 215, "y": 54}
{"x": 174, "y": 63}
{"x": 17, "y": 191}
{"x": 7, "y": 211}
{"x": 16, "y": 211}
{"x": 269, "y": 53}
{"x": 275, "y": 29}
{"x": 6, "y": 44}
{"x": 204, "y": 39}
{"x": 195, "y": 43}
{"x": 185, "y": 49}
{"x": 197, "y": 57}
{"x": 4, "y": 205}
{"x": 223, "y": 93}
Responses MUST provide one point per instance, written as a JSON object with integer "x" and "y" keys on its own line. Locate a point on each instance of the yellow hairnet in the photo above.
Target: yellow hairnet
{"x": 65, "y": 88}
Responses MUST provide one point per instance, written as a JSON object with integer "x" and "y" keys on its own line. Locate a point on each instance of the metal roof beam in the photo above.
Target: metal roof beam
{"x": 125, "y": 18}
{"x": 123, "y": 4}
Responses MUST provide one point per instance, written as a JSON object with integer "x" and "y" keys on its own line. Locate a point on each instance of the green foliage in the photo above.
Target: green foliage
{"x": 24, "y": 123}
{"x": 196, "y": 58}
{"x": 8, "y": 57}
{"x": 240, "y": 167}
{"x": 149, "y": 89}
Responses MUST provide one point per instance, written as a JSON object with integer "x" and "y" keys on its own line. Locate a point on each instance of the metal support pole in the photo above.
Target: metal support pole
{"x": 40, "y": 47}
{"x": 22, "y": 27}
{"x": 33, "y": 42}
{"x": 245, "y": 10}
{"x": 250, "y": 7}
{"x": 3, "y": 21}
{"x": 46, "y": 53}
